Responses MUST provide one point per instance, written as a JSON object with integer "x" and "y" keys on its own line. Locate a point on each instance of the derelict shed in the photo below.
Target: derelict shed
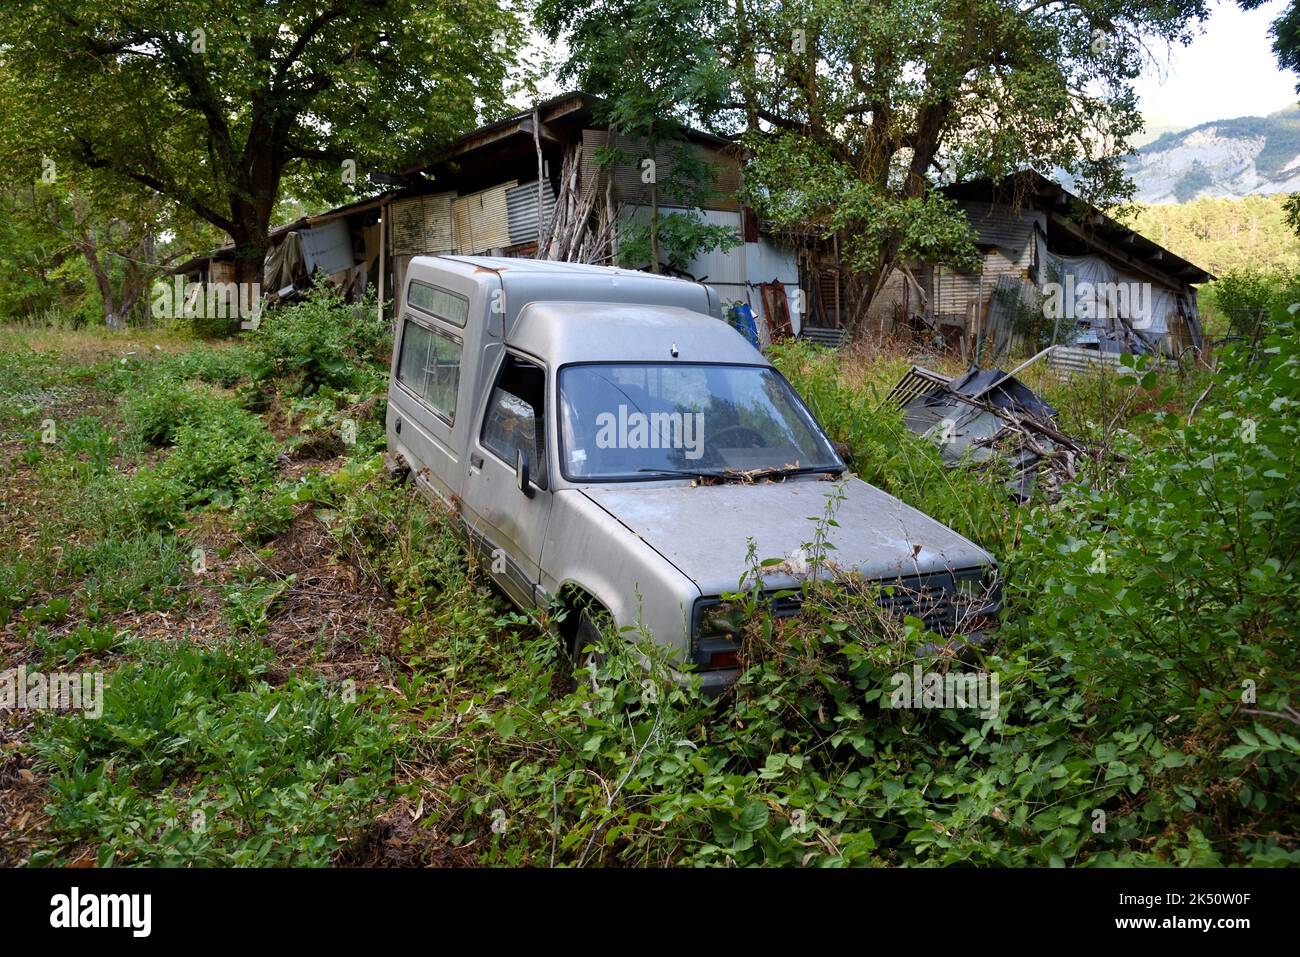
{"x": 344, "y": 244}
{"x": 1043, "y": 253}
{"x": 555, "y": 183}
{"x": 1102, "y": 285}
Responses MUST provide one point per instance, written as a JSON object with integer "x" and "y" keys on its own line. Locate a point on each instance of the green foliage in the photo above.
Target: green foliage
{"x": 248, "y": 603}
{"x": 132, "y": 573}
{"x": 1244, "y": 297}
{"x": 648, "y": 61}
{"x": 157, "y": 411}
{"x": 197, "y": 761}
{"x": 1249, "y": 300}
{"x": 1222, "y": 235}
{"x": 1145, "y": 657}
{"x": 226, "y": 366}
{"x": 221, "y": 456}
{"x": 888, "y": 455}
{"x": 252, "y": 98}
{"x": 680, "y": 238}
{"x": 320, "y": 342}
{"x": 83, "y": 641}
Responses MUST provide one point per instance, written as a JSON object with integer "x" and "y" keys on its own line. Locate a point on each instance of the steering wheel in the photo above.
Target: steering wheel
{"x": 758, "y": 441}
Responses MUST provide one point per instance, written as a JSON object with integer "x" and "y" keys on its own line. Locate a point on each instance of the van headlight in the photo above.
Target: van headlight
{"x": 721, "y": 619}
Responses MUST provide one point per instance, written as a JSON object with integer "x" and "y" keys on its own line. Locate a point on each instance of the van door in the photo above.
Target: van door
{"x": 508, "y": 526}
{"x": 428, "y": 389}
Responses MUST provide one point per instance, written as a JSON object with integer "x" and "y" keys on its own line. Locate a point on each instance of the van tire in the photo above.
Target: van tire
{"x": 585, "y": 634}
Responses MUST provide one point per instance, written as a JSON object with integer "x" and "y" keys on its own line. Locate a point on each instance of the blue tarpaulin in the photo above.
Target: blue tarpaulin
{"x": 741, "y": 317}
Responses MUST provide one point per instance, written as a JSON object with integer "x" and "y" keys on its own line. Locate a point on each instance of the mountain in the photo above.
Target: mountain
{"x": 1245, "y": 156}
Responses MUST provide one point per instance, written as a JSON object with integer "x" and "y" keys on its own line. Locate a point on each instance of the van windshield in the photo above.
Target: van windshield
{"x": 652, "y": 420}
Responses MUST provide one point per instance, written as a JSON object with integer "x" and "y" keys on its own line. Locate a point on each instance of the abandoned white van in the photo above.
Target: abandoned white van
{"x": 608, "y": 441}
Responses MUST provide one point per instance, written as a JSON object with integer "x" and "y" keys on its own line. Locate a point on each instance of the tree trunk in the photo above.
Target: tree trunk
{"x": 654, "y": 221}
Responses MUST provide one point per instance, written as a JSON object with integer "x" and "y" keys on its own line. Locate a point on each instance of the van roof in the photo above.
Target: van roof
{"x": 526, "y": 281}
{"x": 506, "y": 264}
{"x": 564, "y": 332}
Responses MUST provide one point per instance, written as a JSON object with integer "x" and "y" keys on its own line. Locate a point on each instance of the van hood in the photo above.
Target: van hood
{"x": 704, "y": 530}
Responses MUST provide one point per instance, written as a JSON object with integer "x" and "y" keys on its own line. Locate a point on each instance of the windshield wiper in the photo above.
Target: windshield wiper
{"x": 740, "y": 476}
{"x": 687, "y": 473}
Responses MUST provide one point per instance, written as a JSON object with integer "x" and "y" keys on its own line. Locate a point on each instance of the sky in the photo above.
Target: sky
{"x": 1228, "y": 70}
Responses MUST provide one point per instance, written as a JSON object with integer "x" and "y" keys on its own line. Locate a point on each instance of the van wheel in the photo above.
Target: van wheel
{"x": 585, "y": 636}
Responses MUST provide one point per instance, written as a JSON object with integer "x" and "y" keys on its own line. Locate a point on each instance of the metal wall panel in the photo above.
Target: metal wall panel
{"x": 480, "y": 221}
{"x": 422, "y": 225}
{"x": 327, "y": 247}
{"x": 521, "y": 210}
{"x": 1009, "y": 229}
{"x": 628, "y": 187}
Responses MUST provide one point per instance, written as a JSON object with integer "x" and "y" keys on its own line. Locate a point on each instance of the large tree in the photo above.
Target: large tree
{"x": 212, "y": 103}
{"x": 854, "y": 110}
{"x": 645, "y": 59}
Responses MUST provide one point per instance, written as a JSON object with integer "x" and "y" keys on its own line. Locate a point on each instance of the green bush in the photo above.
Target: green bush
{"x": 225, "y": 454}
{"x": 197, "y": 761}
{"x": 321, "y": 341}
{"x": 226, "y": 366}
{"x": 157, "y": 411}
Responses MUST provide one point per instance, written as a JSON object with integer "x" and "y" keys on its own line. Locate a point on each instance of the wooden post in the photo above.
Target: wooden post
{"x": 839, "y": 320}
{"x": 537, "y": 144}
{"x": 383, "y": 247}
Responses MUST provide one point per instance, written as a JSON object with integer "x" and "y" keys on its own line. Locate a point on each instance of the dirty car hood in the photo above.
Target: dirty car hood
{"x": 704, "y": 530}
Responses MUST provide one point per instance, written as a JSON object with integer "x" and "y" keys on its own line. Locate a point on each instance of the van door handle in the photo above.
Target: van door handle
{"x": 475, "y": 460}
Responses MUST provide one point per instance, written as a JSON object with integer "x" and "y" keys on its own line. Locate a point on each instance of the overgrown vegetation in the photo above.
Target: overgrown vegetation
{"x": 1146, "y": 657}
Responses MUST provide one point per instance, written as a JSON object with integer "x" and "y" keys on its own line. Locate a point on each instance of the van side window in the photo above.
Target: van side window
{"x": 430, "y": 366}
{"x": 516, "y": 416}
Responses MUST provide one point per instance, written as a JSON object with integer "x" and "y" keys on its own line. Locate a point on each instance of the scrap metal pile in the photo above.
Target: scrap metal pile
{"x": 989, "y": 419}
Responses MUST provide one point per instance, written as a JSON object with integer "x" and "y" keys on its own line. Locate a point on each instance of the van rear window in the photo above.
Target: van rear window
{"x": 438, "y": 302}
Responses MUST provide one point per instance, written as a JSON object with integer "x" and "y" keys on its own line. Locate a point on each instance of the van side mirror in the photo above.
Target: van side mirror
{"x": 521, "y": 472}
{"x": 843, "y": 451}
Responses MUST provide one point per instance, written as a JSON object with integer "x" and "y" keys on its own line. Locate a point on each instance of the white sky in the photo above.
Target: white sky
{"x": 1229, "y": 70}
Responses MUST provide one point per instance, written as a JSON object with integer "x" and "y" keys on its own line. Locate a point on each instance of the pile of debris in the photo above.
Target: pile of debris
{"x": 989, "y": 418}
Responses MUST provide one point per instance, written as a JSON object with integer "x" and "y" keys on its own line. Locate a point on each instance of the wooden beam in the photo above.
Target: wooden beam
{"x": 1083, "y": 236}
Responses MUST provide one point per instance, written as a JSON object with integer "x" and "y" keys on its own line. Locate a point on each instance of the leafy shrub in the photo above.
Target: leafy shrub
{"x": 248, "y": 603}
{"x": 158, "y": 411}
{"x": 321, "y": 341}
{"x": 196, "y": 761}
{"x": 225, "y": 366}
{"x": 223, "y": 455}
